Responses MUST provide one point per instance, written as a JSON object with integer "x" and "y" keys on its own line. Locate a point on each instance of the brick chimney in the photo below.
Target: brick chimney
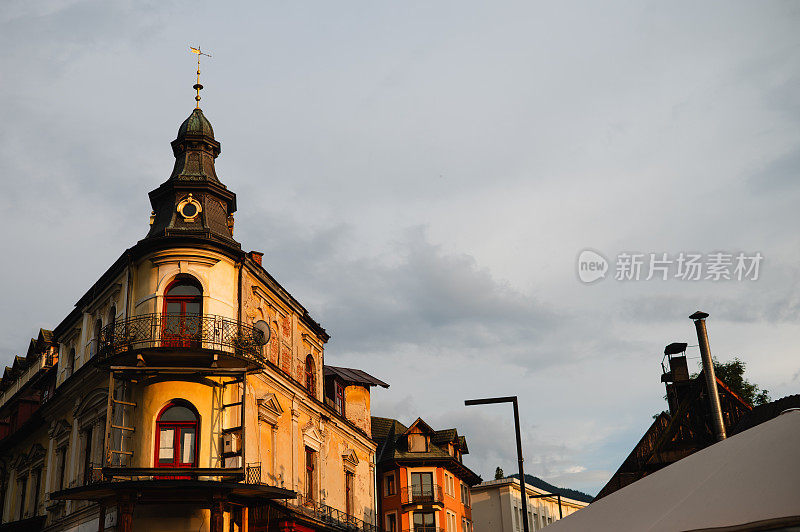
{"x": 255, "y": 256}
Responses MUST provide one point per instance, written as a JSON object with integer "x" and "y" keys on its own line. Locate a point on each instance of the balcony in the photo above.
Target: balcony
{"x": 162, "y": 485}
{"x": 421, "y": 495}
{"x": 98, "y": 473}
{"x": 41, "y": 362}
{"x": 331, "y": 517}
{"x": 182, "y": 339}
{"x": 424, "y": 529}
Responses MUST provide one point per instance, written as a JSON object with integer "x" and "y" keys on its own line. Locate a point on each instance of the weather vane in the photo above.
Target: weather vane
{"x": 197, "y": 85}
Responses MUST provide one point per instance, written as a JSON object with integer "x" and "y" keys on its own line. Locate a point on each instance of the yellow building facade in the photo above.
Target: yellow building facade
{"x": 187, "y": 390}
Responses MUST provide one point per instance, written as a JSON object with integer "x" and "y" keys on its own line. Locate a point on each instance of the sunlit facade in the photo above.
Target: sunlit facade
{"x": 187, "y": 390}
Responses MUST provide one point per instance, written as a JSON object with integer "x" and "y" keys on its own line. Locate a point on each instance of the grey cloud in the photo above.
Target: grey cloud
{"x": 781, "y": 175}
{"x": 419, "y": 295}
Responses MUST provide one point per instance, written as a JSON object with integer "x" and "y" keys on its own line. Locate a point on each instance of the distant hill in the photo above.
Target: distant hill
{"x": 536, "y": 482}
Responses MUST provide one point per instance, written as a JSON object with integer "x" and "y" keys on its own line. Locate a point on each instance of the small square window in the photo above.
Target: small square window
{"x": 417, "y": 443}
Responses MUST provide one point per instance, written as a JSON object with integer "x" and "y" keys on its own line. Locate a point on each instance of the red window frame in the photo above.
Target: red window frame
{"x": 311, "y": 460}
{"x": 181, "y": 333}
{"x": 339, "y": 399}
{"x": 349, "y": 486}
{"x": 177, "y": 442}
{"x": 310, "y": 384}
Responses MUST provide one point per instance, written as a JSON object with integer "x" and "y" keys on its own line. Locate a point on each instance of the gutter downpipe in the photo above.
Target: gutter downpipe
{"x": 239, "y": 291}
{"x": 129, "y": 292}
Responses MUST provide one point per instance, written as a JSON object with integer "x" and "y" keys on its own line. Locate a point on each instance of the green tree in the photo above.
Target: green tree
{"x": 732, "y": 374}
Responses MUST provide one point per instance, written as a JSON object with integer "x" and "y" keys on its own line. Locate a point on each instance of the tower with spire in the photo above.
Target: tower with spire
{"x": 193, "y": 204}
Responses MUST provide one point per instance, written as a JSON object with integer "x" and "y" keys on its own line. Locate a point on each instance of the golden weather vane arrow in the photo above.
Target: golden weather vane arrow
{"x": 197, "y": 85}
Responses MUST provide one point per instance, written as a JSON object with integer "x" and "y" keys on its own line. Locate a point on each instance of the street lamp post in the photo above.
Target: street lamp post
{"x": 512, "y": 400}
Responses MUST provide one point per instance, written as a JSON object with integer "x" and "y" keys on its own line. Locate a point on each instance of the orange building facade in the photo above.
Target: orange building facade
{"x": 423, "y": 486}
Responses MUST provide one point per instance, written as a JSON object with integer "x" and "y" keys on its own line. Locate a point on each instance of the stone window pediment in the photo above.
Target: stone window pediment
{"x": 35, "y": 456}
{"x": 60, "y": 430}
{"x": 350, "y": 460}
{"x": 269, "y": 409}
{"x": 312, "y": 437}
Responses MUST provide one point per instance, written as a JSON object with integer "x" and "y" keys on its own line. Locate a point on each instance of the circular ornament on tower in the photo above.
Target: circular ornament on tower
{"x": 189, "y": 208}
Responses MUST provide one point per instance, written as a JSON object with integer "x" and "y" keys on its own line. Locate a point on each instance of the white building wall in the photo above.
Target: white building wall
{"x": 497, "y": 507}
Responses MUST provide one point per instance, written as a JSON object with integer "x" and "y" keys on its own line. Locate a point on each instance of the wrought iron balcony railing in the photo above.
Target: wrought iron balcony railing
{"x": 333, "y": 518}
{"x": 91, "y": 475}
{"x": 419, "y": 528}
{"x": 112, "y": 473}
{"x": 182, "y": 331}
{"x": 252, "y": 473}
{"x": 421, "y": 494}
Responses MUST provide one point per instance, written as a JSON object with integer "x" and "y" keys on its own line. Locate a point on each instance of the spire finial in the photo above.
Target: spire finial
{"x": 197, "y": 85}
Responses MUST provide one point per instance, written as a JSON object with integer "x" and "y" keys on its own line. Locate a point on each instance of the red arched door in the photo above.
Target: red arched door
{"x": 183, "y": 309}
{"x": 176, "y": 436}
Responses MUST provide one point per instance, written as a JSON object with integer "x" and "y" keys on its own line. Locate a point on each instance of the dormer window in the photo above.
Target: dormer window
{"x": 417, "y": 443}
{"x": 339, "y": 399}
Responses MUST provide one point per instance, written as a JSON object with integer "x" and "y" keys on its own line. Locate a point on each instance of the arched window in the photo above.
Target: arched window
{"x": 112, "y": 317}
{"x": 310, "y": 375}
{"x": 111, "y": 334}
{"x": 98, "y": 327}
{"x": 183, "y": 307}
{"x": 71, "y": 361}
{"x": 176, "y": 435}
{"x": 273, "y": 345}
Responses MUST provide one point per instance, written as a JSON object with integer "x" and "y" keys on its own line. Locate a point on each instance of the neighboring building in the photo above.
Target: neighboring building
{"x": 424, "y": 486}
{"x": 763, "y": 413}
{"x": 187, "y": 390}
{"x": 685, "y": 429}
{"x": 497, "y": 506}
{"x": 745, "y": 482}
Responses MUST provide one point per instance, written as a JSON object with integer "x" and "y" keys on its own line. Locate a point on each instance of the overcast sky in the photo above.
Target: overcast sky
{"x": 422, "y": 177}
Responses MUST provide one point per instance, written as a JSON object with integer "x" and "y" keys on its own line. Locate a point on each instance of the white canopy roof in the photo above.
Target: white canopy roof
{"x": 748, "y": 479}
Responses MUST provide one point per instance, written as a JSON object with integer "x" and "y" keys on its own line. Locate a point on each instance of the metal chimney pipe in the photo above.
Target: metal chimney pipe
{"x": 699, "y": 318}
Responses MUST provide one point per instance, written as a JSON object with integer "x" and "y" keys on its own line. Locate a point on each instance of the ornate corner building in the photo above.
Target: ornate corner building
{"x": 187, "y": 390}
{"x": 424, "y": 485}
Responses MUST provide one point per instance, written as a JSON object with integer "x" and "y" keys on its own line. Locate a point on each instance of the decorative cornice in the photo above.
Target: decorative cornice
{"x": 111, "y": 292}
{"x": 176, "y": 256}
